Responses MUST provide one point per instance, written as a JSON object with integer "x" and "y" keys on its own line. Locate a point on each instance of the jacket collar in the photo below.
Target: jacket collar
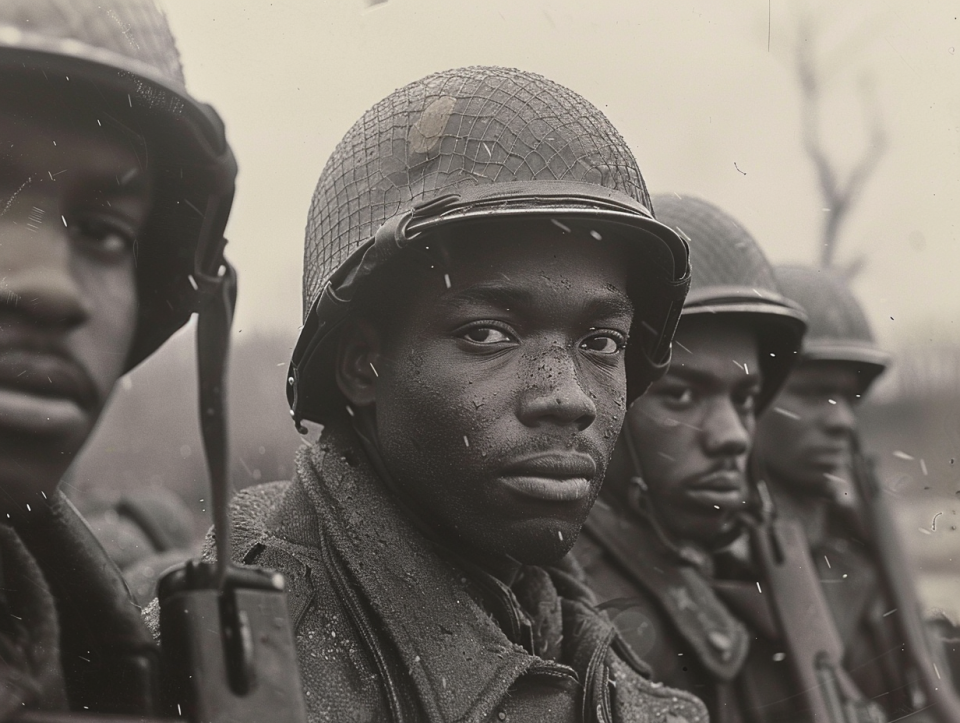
{"x": 459, "y": 661}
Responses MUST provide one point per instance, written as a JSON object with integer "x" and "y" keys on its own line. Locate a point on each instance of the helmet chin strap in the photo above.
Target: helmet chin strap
{"x": 216, "y": 284}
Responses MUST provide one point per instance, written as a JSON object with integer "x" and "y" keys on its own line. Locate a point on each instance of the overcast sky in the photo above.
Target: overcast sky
{"x": 705, "y": 93}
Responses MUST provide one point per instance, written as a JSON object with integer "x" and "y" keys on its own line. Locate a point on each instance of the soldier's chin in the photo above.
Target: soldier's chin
{"x": 706, "y": 527}
{"x": 537, "y": 542}
{"x": 30, "y": 472}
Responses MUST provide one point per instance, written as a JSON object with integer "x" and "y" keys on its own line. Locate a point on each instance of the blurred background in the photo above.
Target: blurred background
{"x": 831, "y": 130}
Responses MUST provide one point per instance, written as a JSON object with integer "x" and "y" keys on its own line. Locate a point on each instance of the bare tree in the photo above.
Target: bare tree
{"x": 839, "y": 190}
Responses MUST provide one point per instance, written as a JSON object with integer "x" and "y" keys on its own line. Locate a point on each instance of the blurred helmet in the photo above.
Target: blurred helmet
{"x": 732, "y": 276}
{"x": 464, "y": 146}
{"x": 162, "y": 515}
{"x": 118, "y": 58}
{"x": 839, "y": 330}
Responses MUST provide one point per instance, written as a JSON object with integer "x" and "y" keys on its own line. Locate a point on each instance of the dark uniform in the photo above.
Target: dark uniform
{"x": 661, "y": 589}
{"x": 389, "y": 625}
{"x": 391, "y": 622}
{"x": 70, "y": 635}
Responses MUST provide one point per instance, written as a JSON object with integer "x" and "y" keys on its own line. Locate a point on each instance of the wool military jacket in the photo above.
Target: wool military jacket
{"x": 69, "y": 629}
{"x": 391, "y": 626}
{"x": 30, "y": 671}
{"x": 717, "y": 639}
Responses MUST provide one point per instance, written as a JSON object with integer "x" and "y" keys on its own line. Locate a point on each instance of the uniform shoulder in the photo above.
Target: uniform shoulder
{"x": 259, "y": 501}
{"x": 639, "y": 699}
{"x": 250, "y": 512}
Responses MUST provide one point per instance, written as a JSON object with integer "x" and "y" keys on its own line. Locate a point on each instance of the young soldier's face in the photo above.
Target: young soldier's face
{"x": 804, "y": 438}
{"x": 72, "y": 200}
{"x": 499, "y": 399}
{"x": 693, "y": 428}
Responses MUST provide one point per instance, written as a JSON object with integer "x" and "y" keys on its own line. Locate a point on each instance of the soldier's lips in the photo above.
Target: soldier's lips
{"x": 723, "y": 489}
{"x": 551, "y": 477}
{"x": 827, "y": 454}
{"x": 43, "y": 393}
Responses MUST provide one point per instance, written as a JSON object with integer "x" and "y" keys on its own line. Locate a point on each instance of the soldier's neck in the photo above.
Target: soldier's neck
{"x": 810, "y": 510}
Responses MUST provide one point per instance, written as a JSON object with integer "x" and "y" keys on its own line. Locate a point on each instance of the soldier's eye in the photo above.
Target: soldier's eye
{"x": 745, "y": 402}
{"x": 603, "y": 343}
{"x": 486, "y": 335}
{"x": 103, "y": 236}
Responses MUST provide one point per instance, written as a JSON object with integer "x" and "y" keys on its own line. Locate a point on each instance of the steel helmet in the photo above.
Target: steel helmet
{"x": 731, "y": 275}
{"x": 839, "y": 330}
{"x": 119, "y": 58}
{"x": 463, "y": 146}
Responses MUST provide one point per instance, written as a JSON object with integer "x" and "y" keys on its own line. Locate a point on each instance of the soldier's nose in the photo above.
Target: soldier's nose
{"x": 556, "y": 395}
{"x": 839, "y": 417}
{"x": 724, "y": 431}
{"x": 36, "y": 277}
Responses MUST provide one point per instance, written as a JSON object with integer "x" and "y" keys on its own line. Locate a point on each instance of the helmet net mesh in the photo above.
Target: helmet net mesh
{"x": 722, "y": 252}
{"x": 455, "y": 128}
{"x": 135, "y": 28}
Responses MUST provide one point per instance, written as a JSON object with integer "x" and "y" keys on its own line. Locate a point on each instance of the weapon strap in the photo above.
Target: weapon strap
{"x": 816, "y": 651}
{"x": 218, "y": 298}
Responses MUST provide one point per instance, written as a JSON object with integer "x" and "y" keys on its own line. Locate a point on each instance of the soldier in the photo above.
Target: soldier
{"x": 478, "y": 251}
{"x": 807, "y": 452}
{"x": 677, "y": 489}
{"x": 115, "y": 186}
{"x": 804, "y": 443}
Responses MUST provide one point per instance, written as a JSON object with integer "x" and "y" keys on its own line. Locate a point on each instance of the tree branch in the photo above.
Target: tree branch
{"x": 839, "y": 195}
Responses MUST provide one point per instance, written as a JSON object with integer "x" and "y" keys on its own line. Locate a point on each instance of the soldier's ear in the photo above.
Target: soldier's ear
{"x": 356, "y": 367}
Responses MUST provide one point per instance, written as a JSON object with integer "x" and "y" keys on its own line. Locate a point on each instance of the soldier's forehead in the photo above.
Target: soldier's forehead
{"x": 60, "y": 146}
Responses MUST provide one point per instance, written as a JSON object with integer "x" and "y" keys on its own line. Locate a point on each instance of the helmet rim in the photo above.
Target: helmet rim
{"x": 310, "y": 399}
{"x": 464, "y": 145}
{"x": 188, "y": 120}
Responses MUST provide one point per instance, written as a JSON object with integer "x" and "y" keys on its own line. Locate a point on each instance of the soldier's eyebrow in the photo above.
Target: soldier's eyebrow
{"x": 493, "y": 294}
{"x": 612, "y": 303}
{"x": 117, "y": 184}
{"x": 114, "y": 188}
{"x": 605, "y": 303}
{"x": 699, "y": 376}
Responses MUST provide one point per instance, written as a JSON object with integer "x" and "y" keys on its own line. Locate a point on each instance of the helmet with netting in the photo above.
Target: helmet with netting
{"x": 839, "y": 330}
{"x": 468, "y": 146}
{"x": 731, "y": 276}
{"x": 117, "y": 59}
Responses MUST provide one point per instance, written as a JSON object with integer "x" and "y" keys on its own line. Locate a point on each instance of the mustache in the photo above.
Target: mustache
{"x": 45, "y": 369}
{"x": 553, "y": 446}
{"x": 720, "y": 467}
